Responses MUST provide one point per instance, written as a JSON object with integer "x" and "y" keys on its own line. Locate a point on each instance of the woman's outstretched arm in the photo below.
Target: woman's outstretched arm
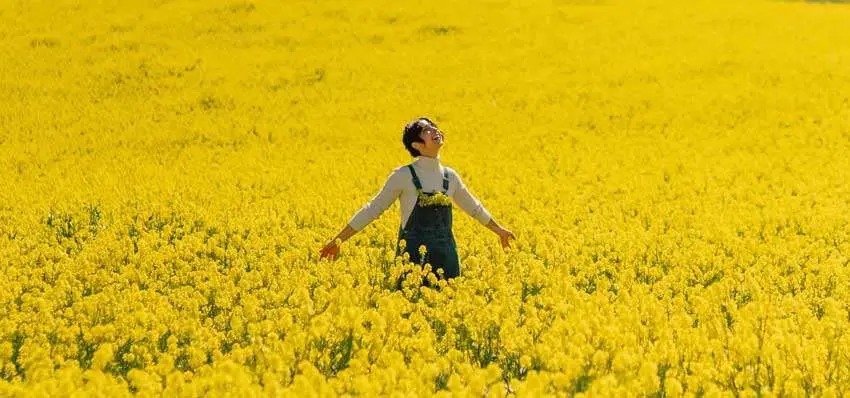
{"x": 472, "y": 206}
{"x": 370, "y": 211}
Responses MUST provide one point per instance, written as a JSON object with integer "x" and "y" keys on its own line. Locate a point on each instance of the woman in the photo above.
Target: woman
{"x": 423, "y": 188}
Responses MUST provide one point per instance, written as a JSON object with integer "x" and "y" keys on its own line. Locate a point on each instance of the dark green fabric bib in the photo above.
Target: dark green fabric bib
{"x": 430, "y": 226}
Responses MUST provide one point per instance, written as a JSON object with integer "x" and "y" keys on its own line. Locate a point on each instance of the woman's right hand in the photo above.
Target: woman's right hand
{"x": 330, "y": 251}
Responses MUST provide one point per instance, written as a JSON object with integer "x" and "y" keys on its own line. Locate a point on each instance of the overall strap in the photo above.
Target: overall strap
{"x": 446, "y": 180}
{"x": 415, "y": 178}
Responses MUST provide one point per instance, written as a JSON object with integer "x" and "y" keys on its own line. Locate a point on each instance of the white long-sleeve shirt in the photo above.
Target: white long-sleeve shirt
{"x": 399, "y": 184}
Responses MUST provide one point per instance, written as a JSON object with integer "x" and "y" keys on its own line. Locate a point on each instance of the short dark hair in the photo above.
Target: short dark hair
{"x": 411, "y": 134}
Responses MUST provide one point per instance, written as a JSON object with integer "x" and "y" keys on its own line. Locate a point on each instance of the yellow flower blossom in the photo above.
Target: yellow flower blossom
{"x": 436, "y": 199}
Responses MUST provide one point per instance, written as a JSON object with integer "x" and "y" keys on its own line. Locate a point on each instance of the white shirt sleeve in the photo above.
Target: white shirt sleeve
{"x": 381, "y": 201}
{"x": 469, "y": 203}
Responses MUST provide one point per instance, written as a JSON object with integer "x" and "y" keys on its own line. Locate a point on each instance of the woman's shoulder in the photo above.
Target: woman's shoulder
{"x": 401, "y": 169}
{"x": 400, "y": 172}
{"x": 452, "y": 174}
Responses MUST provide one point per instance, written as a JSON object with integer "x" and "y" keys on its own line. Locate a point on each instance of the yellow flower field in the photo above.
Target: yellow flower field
{"x": 676, "y": 174}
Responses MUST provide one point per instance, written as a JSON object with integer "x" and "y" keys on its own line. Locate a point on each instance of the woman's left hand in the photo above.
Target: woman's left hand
{"x": 505, "y": 236}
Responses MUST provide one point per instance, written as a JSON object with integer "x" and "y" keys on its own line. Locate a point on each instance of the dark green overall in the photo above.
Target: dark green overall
{"x": 431, "y": 226}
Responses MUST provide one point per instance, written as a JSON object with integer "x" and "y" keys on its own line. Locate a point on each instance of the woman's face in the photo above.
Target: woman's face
{"x": 432, "y": 139}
